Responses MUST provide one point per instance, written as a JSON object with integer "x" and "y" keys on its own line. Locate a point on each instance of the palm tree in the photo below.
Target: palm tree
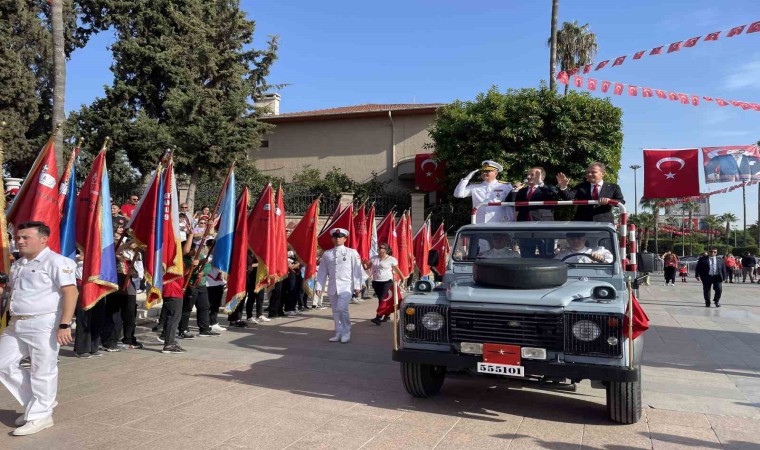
{"x": 729, "y": 218}
{"x": 713, "y": 223}
{"x": 651, "y": 204}
{"x": 576, "y": 47}
{"x": 59, "y": 77}
{"x": 690, "y": 207}
{"x": 553, "y": 47}
{"x": 644, "y": 223}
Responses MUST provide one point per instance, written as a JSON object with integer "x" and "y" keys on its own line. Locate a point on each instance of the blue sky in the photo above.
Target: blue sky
{"x": 338, "y": 53}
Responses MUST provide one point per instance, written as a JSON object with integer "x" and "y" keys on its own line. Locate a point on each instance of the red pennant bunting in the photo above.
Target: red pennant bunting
{"x": 691, "y": 42}
{"x": 754, "y": 28}
{"x": 562, "y": 77}
{"x": 735, "y": 30}
{"x": 605, "y": 86}
{"x": 572, "y": 71}
{"x": 656, "y": 51}
{"x": 660, "y": 93}
{"x": 707, "y": 99}
{"x": 712, "y": 36}
{"x": 672, "y": 96}
{"x": 602, "y": 64}
{"x": 695, "y": 100}
{"x": 633, "y": 91}
{"x": 721, "y": 102}
{"x": 638, "y": 55}
{"x": 578, "y": 81}
{"x": 618, "y": 61}
{"x": 646, "y": 92}
{"x": 683, "y": 98}
{"x": 674, "y": 47}
{"x": 591, "y": 84}
{"x": 587, "y": 68}
{"x": 618, "y": 88}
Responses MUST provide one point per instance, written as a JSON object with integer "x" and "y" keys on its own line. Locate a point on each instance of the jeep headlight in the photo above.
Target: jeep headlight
{"x": 586, "y": 330}
{"x": 432, "y": 321}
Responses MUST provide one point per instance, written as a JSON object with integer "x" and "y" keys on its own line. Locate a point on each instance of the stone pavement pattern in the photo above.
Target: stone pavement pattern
{"x": 282, "y": 385}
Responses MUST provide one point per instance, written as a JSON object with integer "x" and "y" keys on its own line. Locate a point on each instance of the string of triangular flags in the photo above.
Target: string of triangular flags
{"x": 674, "y": 47}
{"x": 707, "y": 194}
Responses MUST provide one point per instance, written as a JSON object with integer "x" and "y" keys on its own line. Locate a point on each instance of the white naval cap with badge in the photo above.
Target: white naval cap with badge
{"x": 339, "y": 232}
{"x": 491, "y": 165}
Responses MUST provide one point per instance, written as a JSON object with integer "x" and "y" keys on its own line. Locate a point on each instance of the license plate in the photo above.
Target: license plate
{"x": 501, "y": 369}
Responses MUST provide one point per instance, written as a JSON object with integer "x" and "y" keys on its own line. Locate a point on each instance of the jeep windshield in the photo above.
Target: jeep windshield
{"x": 571, "y": 246}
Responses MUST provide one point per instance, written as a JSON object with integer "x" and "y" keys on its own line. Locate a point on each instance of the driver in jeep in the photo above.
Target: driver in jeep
{"x": 577, "y": 249}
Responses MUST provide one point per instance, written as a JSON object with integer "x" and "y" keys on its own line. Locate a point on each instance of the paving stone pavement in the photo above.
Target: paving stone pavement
{"x": 282, "y": 385}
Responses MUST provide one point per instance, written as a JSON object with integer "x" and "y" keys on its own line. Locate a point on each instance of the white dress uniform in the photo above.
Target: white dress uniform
{"x": 344, "y": 268}
{"x": 499, "y": 253}
{"x": 585, "y": 259}
{"x": 36, "y": 296}
{"x": 495, "y": 191}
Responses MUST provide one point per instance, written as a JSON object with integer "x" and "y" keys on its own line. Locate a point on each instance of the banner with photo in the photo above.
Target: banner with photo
{"x": 731, "y": 163}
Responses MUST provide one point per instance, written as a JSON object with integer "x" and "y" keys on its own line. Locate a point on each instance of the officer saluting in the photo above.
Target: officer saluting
{"x": 490, "y": 190}
{"x": 344, "y": 267}
{"x": 43, "y": 298}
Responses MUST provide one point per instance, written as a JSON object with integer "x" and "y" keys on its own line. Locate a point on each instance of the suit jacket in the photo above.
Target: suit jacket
{"x": 534, "y": 213}
{"x": 703, "y": 268}
{"x": 593, "y": 213}
{"x": 727, "y": 169}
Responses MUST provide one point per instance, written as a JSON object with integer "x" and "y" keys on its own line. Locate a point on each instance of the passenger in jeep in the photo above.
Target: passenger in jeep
{"x": 500, "y": 247}
{"x": 576, "y": 245}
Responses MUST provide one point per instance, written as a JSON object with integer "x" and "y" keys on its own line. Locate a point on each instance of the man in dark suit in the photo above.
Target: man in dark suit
{"x": 593, "y": 189}
{"x": 535, "y": 191}
{"x": 735, "y": 165}
{"x": 712, "y": 271}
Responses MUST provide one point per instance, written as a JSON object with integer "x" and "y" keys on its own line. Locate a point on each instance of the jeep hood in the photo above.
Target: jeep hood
{"x": 559, "y": 296}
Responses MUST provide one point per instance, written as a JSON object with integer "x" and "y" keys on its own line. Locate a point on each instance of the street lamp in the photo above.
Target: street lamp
{"x": 736, "y": 231}
{"x": 635, "y": 167}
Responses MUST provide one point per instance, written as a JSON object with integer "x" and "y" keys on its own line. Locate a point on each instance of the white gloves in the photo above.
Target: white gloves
{"x": 471, "y": 174}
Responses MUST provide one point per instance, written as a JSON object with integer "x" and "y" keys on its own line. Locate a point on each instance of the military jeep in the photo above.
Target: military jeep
{"x": 542, "y": 301}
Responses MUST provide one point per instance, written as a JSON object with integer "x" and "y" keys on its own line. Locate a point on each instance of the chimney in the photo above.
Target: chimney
{"x": 271, "y": 101}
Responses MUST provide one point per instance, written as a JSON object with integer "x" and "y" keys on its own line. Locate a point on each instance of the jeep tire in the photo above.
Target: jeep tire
{"x": 520, "y": 273}
{"x": 624, "y": 401}
{"x": 422, "y": 380}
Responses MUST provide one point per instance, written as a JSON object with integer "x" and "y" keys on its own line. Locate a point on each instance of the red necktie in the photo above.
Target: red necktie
{"x": 530, "y": 192}
{"x": 595, "y": 193}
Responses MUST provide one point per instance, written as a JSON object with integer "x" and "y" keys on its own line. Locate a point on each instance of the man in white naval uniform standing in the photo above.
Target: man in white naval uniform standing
{"x": 490, "y": 190}
{"x": 344, "y": 268}
{"x": 43, "y": 298}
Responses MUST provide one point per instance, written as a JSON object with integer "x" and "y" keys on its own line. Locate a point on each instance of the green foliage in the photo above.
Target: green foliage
{"x": 185, "y": 77}
{"x": 688, "y": 249}
{"x": 529, "y": 127}
{"x": 740, "y": 251}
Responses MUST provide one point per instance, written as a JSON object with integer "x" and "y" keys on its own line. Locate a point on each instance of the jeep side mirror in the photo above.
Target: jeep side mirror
{"x": 432, "y": 257}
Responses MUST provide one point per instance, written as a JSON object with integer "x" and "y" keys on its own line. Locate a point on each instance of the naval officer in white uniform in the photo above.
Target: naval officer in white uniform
{"x": 43, "y": 298}
{"x": 344, "y": 268}
{"x": 490, "y": 190}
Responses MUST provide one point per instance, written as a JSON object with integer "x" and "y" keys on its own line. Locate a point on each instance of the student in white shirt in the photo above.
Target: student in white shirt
{"x": 382, "y": 266}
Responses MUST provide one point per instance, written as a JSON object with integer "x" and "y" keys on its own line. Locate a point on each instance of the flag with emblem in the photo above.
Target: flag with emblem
{"x": 421, "y": 248}
{"x": 261, "y": 238}
{"x": 303, "y": 239}
{"x": 239, "y": 257}
{"x": 402, "y": 255}
{"x": 671, "y": 173}
{"x": 361, "y": 236}
{"x": 344, "y": 219}
{"x": 37, "y": 199}
{"x": 441, "y": 245}
{"x": 386, "y": 232}
{"x": 94, "y": 235}
{"x": 225, "y": 232}
{"x": 281, "y": 237}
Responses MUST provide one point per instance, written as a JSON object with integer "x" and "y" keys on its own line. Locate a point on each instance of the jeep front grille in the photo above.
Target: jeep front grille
{"x": 611, "y": 326}
{"x": 420, "y": 333}
{"x": 503, "y": 327}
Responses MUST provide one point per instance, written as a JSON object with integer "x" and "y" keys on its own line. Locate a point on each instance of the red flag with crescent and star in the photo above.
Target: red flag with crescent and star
{"x": 428, "y": 173}
{"x": 671, "y": 173}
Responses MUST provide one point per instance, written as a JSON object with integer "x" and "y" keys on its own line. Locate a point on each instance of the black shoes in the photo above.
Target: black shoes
{"x": 173, "y": 349}
{"x": 377, "y": 321}
{"x": 185, "y": 335}
{"x": 386, "y": 318}
{"x": 209, "y": 333}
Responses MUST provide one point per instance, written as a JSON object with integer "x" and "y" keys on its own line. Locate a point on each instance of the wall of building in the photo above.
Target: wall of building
{"x": 358, "y": 146}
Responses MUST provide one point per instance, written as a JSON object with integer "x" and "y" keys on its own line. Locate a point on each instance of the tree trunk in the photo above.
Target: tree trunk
{"x": 553, "y": 47}
{"x": 190, "y": 198}
{"x": 59, "y": 77}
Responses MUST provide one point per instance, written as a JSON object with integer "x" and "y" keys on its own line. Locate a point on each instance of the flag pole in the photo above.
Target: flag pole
{"x": 630, "y": 323}
{"x": 206, "y": 232}
{"x": 3, "y": 225}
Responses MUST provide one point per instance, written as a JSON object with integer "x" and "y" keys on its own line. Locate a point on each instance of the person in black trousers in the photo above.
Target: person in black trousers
{"x": 196, "y": 294}
{"x": 293, "y": 285}
{"x": 251, "y": 299}
{"x": 535, "y": 191}
{"x": 712, "y": 272}
{"x": 595, "y": 188}
{"x": 126, "y": 256}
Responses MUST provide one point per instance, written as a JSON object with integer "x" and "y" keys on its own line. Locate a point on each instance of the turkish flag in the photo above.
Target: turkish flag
{"x": 429, "y": 174}
{"x": 735, "y": 30}
{"x": 754, "y": 28}
{"x": 638, "y": 55}
{"x": 660, "y": 93}
{"x": 672, "y": 96}
{"x": 361, "y": 236}
{"x": 587, "y": 68}
{"x": 591, "y": 84}
{"x": 618, "y": 61}
{"x": 403, "y": 246}
{"x": 656, "y": 51}
{"x": 618, "y": 89}
{"x": 605, "y": 86}
{"x": 695, "y": 100}
{"x": 671, "y": 173}
{"x": 578, "y": 81}
{"x": 721, "y": 102}
{"x": 646, "y": 92}
{"x": 343, "y": 219}
{"x": 712, "y": 36}
{"x": 602, "y": 64}
{"x": 674, "y": 47}
{"x": 691, "y": 42}
{"x": 632, "y": 90}
{"x": 640, "y": 320}
{"x": 684, "y": 99}
{"x": 562, "y": 77}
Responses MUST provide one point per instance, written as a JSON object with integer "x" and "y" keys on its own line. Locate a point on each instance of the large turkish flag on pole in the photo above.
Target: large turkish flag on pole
{"x": 671, "y": 173}
{"x": 428, "y": 173}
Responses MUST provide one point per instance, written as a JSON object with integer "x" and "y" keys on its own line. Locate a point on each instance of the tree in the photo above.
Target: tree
{"x": 59, "y": 74}
{"x": 553, "y": 47}
{"x": 690, "y": 207}
{"x": 185, "y": 77}
{"x": 652, "y": 205}
{"x": 644, "y": 224}
{"x": 576, "y": 47}
{"x": 728, "y": 218}
{"x": 713, "y": 223}
{"x": 528, "y": 127}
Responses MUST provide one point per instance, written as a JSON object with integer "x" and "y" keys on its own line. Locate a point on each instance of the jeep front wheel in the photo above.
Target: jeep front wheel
{"x": 422, "y": 380}
{"x": 624, "y": 401}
